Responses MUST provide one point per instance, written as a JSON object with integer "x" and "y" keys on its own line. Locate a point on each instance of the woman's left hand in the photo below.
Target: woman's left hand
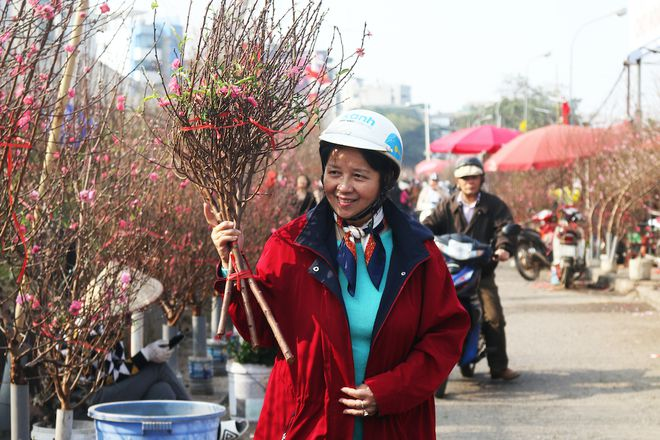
{"x": 361, "y": 403}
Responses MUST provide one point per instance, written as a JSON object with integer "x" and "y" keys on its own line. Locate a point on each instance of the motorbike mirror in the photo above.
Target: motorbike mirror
{"x": 512, "y": 229}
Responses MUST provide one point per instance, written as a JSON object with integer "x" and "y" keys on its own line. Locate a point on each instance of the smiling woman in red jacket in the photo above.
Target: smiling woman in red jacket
{"x": 362, "y": 296}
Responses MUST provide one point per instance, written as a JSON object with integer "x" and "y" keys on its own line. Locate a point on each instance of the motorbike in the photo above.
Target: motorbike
{"x": 534, "y": 250}
{"x": 466, "y": 258}
{"x": 569, "y": 247}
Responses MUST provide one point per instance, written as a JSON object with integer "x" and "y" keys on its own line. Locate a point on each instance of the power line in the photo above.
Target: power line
{"x": 609, "y": 95}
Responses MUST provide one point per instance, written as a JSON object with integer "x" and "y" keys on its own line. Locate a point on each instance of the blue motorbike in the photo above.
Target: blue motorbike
{"x": 466, "y": 258}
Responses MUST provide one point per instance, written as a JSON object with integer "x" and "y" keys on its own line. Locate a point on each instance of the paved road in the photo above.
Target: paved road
{"x": 589, "y": 364}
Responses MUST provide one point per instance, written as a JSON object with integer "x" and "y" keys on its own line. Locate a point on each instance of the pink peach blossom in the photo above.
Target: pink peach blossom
{"x": 176, "y": 64}
{"x": 75, "y": 307}
{"x": 69, "y": 48}
{"x": 25, "y": 119}
{"x": 125, "y": 277}
{"x": 293, "y": 72}
{"x": 104, "y": 8}
{"x": 153, "y": 177}
{"x": 173, "y": 86}
{"x": 34, "y": 195}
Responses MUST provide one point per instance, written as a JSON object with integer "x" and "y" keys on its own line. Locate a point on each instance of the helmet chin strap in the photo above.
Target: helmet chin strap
{"x": 371, "y": 209}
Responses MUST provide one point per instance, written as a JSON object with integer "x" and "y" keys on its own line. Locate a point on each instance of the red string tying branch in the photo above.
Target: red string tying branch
{"x": 17, "y": 225}
{"x": 238, "y": 275}
{"x": 239, "y": 123}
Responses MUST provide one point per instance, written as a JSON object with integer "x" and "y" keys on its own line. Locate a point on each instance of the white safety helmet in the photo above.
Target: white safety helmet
{"x": 366, "y": 130}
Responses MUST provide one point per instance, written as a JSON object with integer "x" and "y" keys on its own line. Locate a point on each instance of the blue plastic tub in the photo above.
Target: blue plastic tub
{"x": 156, "y": 419}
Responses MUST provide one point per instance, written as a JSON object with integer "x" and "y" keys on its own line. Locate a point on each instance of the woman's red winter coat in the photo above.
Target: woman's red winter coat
{"x": 417, "y": 336}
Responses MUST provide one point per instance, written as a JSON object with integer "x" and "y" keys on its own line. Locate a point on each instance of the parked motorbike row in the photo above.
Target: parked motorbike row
{"x": 557, "y": 242}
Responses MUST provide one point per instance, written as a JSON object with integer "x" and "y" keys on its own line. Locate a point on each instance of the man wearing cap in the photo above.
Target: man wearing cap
{"x": 482, "y": 216}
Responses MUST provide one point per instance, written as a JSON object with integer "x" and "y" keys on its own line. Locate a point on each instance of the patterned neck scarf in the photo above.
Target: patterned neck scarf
{"x": 374, "y": 252}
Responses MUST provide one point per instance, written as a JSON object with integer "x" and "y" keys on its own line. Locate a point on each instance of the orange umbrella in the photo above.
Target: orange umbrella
{"x": 545, "y": 147}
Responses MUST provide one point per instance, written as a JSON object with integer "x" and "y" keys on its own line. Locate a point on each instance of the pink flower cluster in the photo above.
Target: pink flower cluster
{"x": 121, "y": 103}
{"x": 26, "y": 299}
{"x": 47, "y": 12}
{"x": 87, "y": 195}
{"x": 174, "y": 87}
{"x": 237, "y": 92}
{"x": 125, "y": 280}
{"x": 75, "y": 307}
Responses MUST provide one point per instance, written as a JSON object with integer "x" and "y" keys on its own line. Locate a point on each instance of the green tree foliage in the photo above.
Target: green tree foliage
{"x": 543, "y": 107}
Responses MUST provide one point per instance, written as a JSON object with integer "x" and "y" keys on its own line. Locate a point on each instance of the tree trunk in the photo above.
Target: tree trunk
{"x": 64, "y": 424}
{"x": 137, "y": 332}
{"x": 20, "y": 412}
{"x": 199, "y": 335}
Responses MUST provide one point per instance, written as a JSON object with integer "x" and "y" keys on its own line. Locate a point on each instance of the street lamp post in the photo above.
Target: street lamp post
{"x": 619, "y": 13}
{"x": 525, "y": 108}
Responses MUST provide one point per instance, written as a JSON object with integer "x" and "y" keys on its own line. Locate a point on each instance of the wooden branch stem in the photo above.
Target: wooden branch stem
{"x": 256, "y": 291}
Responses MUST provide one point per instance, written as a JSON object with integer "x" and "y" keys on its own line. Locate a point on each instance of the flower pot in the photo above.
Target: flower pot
{"x": 640, "y": 268}
{"x": 218, "y": 352}
{"x": 200, "y": 373}
{"x": 607, "y": 264}
{"x": 82, "y": 430}
{"x": 247, "y": 388}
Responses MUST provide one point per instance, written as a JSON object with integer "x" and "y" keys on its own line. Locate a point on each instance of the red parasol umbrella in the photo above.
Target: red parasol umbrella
{"x": 474, "y": 140}
{"x": 545, "y": 147}
{"x": 430, "y": 166}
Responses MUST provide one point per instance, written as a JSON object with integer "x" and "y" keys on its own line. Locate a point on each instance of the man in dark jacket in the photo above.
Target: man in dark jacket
{"x": 482, "y": 216}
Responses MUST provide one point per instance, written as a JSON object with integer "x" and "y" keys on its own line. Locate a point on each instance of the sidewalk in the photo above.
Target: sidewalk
{"x": 646, "y": 290}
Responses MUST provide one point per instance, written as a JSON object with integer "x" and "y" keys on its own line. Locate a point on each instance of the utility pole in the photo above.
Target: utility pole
{"x": 638, "y": 115}
{"x": 627, "y": 64}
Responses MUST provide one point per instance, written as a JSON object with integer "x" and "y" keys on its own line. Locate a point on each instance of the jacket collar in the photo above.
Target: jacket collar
{"x": 318, "y": 235}
{"x": 456, "y": 202}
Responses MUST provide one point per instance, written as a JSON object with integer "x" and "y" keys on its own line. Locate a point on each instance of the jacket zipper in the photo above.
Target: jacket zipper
{"x": 288, "y": 425}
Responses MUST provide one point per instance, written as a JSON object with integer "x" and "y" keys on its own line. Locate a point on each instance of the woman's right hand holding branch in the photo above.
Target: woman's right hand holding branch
{"x": 223, "y": 235}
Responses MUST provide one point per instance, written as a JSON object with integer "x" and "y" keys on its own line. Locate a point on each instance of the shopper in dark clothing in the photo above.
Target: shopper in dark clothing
{"x": 482, "y": 216}
{"x": 304, "y": 199}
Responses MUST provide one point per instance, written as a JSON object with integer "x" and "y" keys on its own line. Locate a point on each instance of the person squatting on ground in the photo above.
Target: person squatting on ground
{"x": 482, "y": 216}
{"x": 362, "y": 296}
{"x": 145, "y": 376}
